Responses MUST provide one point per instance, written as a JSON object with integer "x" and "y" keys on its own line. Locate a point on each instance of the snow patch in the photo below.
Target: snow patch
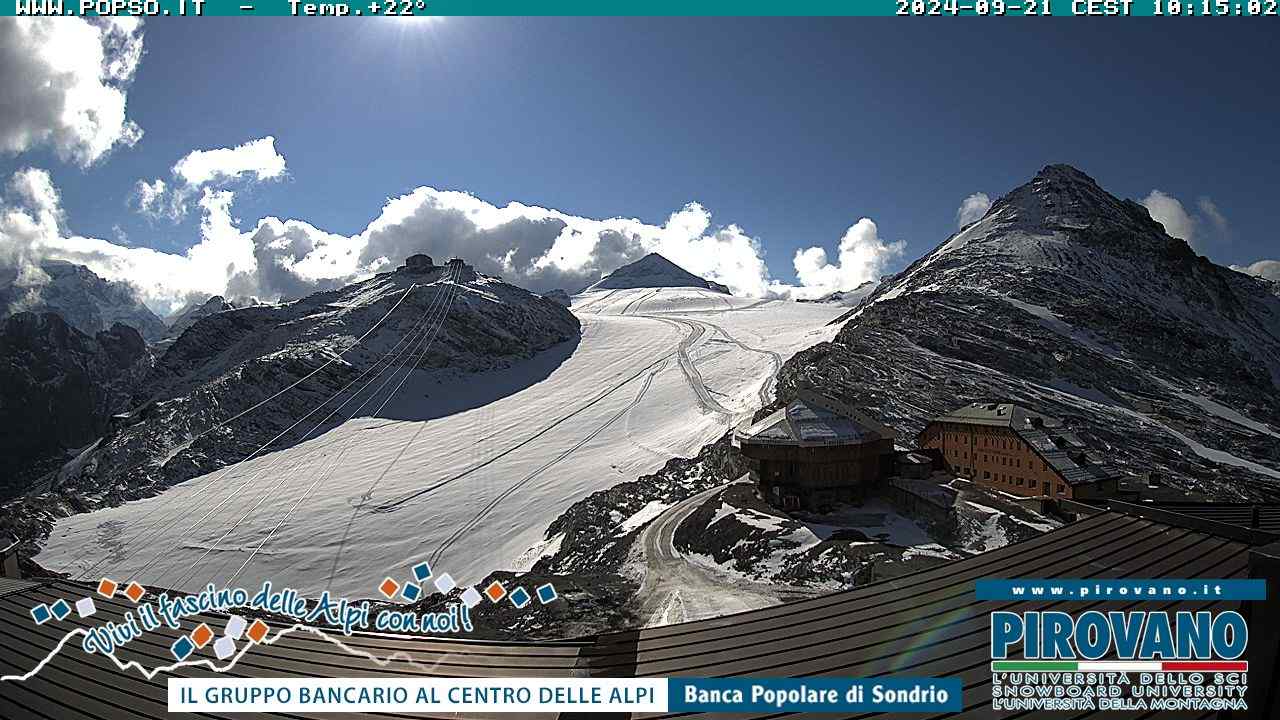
{"x": 650, "y": 511}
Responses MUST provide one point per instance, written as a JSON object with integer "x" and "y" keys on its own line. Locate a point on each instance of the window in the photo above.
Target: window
{"x": 1019, "y": 482}
{"x": 1062, "y": 489}
{"x": 986, "y": 474}
{"x": 1031, "y": 483}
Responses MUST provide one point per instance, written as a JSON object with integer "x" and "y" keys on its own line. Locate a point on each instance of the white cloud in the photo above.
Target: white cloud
{"x": 537, "y": 248}
{"x": 254, "y": 161}
{"x": 64, "y": 82}
{"x": 152, "y": 200}
{"x": 35, "y": 214}
{"x": 863, "y": 256}
{"x": 1209, "y": 210}
{"x": 972, "y": 209}
{"x": 1269, "y": 269}
{"x": 1178, "y": 222}
{"x": 256, "y": 158}
{"x": 1169, "y": 212}
{"x": 545, "y": 249}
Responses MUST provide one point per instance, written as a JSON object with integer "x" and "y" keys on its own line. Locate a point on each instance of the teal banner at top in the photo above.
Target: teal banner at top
{"x": 426, "y": 8}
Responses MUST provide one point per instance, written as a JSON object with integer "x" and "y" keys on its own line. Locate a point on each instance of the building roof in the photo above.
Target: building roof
{"x": 1261, "y": 516}
{"x": 926, "y": 624}
{"x": 997, "y": 414}
{"x": 813, "y": 419}
{"x": 1060, "y": 448}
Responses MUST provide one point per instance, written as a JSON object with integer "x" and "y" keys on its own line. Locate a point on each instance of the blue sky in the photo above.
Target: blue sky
{"x": 790, "y": 129}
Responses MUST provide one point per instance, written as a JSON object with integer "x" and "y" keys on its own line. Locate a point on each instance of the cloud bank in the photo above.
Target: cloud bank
{"x": 1269, "y": 269}
{"x": 64, "y": 83}
{"x": 538, "y": 248}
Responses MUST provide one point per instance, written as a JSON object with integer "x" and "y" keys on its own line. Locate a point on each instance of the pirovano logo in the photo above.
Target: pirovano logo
{"x": 1120, "y": 659}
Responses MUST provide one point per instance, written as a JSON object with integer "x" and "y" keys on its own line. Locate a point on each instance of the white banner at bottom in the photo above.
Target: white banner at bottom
{"x": 400, "y": 694}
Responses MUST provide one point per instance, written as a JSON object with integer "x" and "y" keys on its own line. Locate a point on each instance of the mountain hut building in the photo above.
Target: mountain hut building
{"x": 817, "y": 451}
{"x": 1019, "y": 451}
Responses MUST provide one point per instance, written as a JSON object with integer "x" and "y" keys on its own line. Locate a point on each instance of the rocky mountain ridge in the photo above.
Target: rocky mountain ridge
{"x": 289, "y": 358}
{"x": 59, "y": 388}
{"x": 846, "y": 298}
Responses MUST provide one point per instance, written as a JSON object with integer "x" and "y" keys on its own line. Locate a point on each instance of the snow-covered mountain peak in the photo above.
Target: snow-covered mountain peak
{"x": 1063, "y": 290}
{"x": 1062, "y": 198}
{"x": 1077, "y": 241}
{"x": 654, "y": 271}
{"x": 86, "y": 301}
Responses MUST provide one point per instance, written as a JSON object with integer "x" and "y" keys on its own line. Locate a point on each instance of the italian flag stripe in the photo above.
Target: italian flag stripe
{"x": 1118, "y": 666}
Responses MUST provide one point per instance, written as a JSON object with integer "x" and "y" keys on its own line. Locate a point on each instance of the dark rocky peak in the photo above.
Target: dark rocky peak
{"x": 47, "y": 335}
{"x": 59, "y": 385}
{"x": 219, "y": 302}
{"x": 25, "y": 329}
{"x": 123, "y": 344}
{"x": 194, "y": 310}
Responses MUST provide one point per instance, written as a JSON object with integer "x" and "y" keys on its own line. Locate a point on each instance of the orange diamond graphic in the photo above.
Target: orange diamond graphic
{"x": 389, "y": 588}
{"x": 201, "y": 635}
{"x": 257, "y": 631}
{"x": 495, "y": 591}
{"x": 107, "y": 588}
{"x": 135, "y": 591}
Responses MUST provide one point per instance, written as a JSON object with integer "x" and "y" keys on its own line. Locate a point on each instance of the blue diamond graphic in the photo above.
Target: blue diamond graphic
{"x": 60, "y": 609}
{"x": 40, "y": 614}
{"x": 421, "y": 572}
{"x": 546, "y": 593}
{"x": 520, "y": 597}
{"x": 411, "y": 592}
{"x": 182, "y": 648}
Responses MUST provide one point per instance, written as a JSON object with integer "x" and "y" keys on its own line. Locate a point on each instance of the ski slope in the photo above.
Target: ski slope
{"x": 467, "y": 471}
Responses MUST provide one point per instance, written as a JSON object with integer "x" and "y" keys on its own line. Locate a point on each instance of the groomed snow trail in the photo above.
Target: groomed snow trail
{"x": 475, "y": 487}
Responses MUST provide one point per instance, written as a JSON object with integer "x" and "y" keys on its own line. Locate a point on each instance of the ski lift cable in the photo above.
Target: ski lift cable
{"x": 226, "y": 471}
{"x": 432, "y": 311}
{"x": 438, "y": 318}
{"x": 313, "y": 485}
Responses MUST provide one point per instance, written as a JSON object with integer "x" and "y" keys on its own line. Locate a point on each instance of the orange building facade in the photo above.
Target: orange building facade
{"x": 1014, "y": 450}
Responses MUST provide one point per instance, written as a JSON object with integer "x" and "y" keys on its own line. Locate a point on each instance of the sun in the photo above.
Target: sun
{"x": 418, "y": 19}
